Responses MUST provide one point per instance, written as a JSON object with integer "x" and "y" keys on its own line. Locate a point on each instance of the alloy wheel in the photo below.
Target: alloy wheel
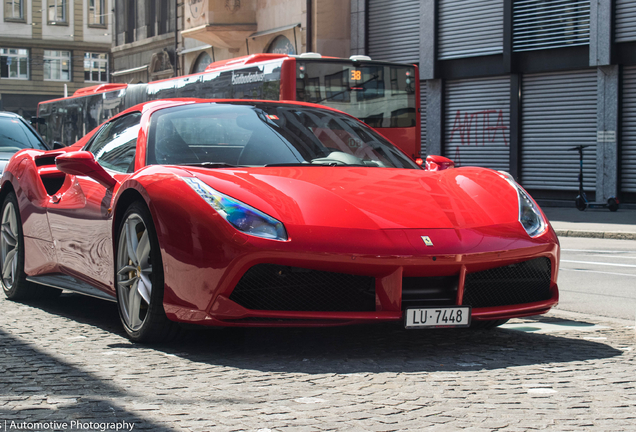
{"x": 9, "y": 245}
{"x": 134, "y": 272}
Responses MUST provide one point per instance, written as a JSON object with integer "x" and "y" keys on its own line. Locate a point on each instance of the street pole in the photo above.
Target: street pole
{"x": 176, "y": 38}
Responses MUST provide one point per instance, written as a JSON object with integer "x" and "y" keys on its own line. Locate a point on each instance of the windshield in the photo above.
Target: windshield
{"x": 382, "y": 96}
{"x": 258, "y": 134}
{"x": 15, "y": 136}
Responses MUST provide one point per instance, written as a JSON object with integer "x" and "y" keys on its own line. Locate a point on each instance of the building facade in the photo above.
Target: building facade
{"x": 147, "y": 48}
{"x": 145, "y": 40}
{"x": 516, "y": 84}
{"x": 222, "y": 29}
{"x": 49, "y": 45}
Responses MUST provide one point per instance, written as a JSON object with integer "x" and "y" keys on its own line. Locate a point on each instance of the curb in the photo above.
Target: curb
{"x": 596, "y": 234}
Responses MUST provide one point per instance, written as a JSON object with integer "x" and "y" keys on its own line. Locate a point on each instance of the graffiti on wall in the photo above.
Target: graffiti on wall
{"x": 479, "y": 128}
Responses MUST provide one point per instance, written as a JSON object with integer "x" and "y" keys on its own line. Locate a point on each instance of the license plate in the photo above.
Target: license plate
{"x": 438, "y": 317}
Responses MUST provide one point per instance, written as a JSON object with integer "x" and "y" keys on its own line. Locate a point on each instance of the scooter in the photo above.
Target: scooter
{"x": 581, "y": 201}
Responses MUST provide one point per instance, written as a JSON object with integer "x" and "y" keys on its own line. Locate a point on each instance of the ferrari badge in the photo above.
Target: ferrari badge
{"x": 427, "y": 241}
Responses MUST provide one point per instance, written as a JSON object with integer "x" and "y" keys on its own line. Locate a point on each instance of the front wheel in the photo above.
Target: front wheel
{"x": 580, "y": 203}
{"x": 139, "y": 279}
{"x": 14, "y": 281}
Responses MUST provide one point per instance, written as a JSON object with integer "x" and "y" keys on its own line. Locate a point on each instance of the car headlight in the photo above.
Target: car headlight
{"x": 240, "y": 215}
{"x": 530, "y": 216}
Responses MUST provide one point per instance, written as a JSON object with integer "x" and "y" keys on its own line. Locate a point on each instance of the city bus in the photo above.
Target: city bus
{"x": 384, "y": 95}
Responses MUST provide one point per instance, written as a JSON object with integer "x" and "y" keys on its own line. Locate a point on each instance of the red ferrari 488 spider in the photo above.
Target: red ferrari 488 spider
{"x": 254, "y": 213}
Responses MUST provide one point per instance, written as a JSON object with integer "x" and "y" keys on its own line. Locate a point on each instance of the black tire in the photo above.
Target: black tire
{"x": 13, "y": 280}
{"x": 580, "y": 203}
{"x": 487, "y": 325}
{"x": 612, "y": 204}
{"x": 150, "y": 324}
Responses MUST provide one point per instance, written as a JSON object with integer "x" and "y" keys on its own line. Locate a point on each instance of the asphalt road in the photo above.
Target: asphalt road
{"x": 598, "y": 277}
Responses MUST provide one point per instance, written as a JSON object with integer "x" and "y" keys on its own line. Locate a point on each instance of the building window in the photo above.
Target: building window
{"x": 14, "y": 63}
{"x": 202, "y": 62}
{"x": 281, "y": 45}
{"x": 96, "y": 15}
{"x": 95, "y": 67}
{"x": 57, "y": 65}
{"x": 130, "y": 20}
{"x": 56, "y": 11}
{"x": 14, "y": 10}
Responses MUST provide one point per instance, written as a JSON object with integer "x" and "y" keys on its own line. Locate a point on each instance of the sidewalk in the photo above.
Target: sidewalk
{"x": 602, "y": 223}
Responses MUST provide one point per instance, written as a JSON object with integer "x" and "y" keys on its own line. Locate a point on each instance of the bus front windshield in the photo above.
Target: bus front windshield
{"x": 382, "y": 96}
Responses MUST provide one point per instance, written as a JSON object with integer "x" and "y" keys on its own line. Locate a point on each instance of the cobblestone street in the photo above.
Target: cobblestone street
{"x": 67, "y": 360}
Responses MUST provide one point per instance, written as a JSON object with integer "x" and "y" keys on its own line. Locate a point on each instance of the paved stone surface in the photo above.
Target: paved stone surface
{"x": 67, "y": 361}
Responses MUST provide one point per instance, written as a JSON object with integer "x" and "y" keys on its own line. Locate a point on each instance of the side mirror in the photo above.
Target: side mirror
{"x": 57, "y": 145}
{"x": 438, "y": 163}
{"x": 83, "y": 163}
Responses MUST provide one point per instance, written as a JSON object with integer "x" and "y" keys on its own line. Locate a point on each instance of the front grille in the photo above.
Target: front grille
{"x": 429, "y": 291}
{"x": 282, "y": 288}
{"x": 520, "y": 283}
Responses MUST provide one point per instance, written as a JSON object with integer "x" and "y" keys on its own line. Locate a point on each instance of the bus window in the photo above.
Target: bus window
{"x": 112, "y": 104}
{"x": 188, "y": 87}
{"x": 92, "y": 113}
{"x": 256, "y": 82}
{"x": 217, "y": 85}
{"x": 334, "y": 85}
{"x": 359, "y": 89}
{"x": 44, "y": 112}
{"x": 72, "y": 122}
{"x": 373, "y": 87}
{"x": 308, "y": 90}
{"x": 162, "y": 90}
{"x": 403, "y": 117}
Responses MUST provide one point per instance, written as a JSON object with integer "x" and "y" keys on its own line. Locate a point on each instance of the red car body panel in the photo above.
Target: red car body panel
{"x": 354, "y": 220}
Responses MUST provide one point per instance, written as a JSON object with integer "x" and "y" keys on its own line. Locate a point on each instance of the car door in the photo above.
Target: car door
{"x": 80, "y": 214}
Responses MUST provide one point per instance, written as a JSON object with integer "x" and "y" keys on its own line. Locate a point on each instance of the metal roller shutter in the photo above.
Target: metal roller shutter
{"x": 539, "y": 24}
{"x": 394, "y": 30}
{"x": 628, "y": 152}
{"x": 559, "y": 112}
{"x": 469, "y": 28}
{"x": 625, "y": 20}
{"x": 423, "y": 117}
{"x": 477, "y": 122}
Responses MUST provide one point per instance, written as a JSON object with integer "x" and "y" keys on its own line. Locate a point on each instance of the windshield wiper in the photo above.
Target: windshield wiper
{"x": 313, "y": 164}
{"x": 211, "y": 165}
{"x": 292, "y": 164}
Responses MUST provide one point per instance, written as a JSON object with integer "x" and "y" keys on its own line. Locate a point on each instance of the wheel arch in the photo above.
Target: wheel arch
{"x": 125, "y": 199}
{"x": 7, "y": 187}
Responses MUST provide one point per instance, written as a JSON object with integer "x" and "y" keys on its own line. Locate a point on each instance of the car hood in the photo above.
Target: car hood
{"x": 371, "y": 198}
